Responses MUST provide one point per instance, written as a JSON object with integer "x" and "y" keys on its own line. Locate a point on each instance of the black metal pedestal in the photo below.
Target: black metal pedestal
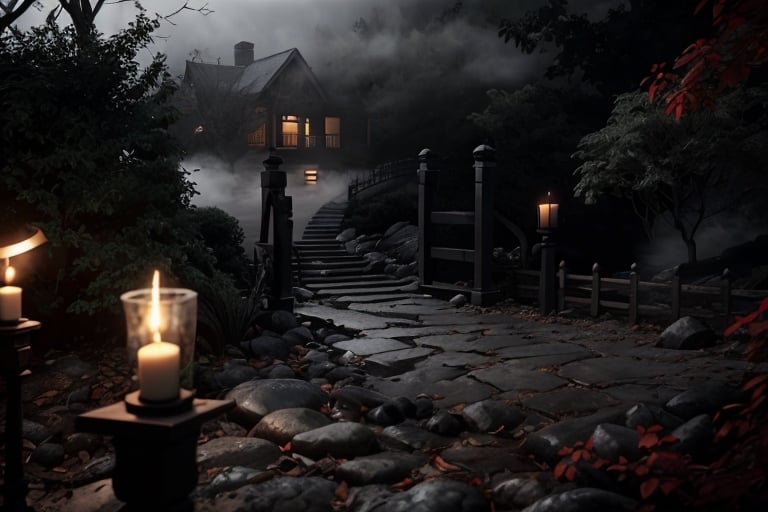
{"x": 15, "y": 347}
{"x": 155, "y": 455}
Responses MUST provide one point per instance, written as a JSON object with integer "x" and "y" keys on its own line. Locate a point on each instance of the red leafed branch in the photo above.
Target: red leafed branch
{"x": 710, "y": 67}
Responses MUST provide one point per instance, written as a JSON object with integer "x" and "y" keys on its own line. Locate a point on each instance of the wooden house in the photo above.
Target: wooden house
{"x": 275, "y": 101}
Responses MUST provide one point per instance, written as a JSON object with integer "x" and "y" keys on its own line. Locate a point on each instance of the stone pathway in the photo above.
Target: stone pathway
{"x": 393, "y": 401}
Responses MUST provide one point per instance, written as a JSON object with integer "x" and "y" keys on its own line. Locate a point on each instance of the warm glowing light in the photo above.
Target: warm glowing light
{"x": 154, "y": 311}
{"x": 548, "y": 213}
{"x": 10, "y": 273}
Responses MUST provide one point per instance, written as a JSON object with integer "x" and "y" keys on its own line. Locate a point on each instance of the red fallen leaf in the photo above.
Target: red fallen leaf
{"x": 286, "y": 447}
{"x": 599, "y": 463}
{"x": 654, "y": 429}
{"x": 588, "y": 444}
{"x": 669, "y": 485}
{"x": 576, "y": 456}
{"x": 570, "y": 473}
{"x": 402, "y": 484}
{"x": 616, "y": 467}
{"x": 342, "y": 491}
{"x": 642, "y": 470}
{"x": 443, "y": 465}
{"x": 560, "y": 469}
{"x": 622, "y": 459}
{"x": 669, "y": 438}
{"x": 565, "y": 450}
{"x": 649, "y": 440}
{"x": 648, "y": 487}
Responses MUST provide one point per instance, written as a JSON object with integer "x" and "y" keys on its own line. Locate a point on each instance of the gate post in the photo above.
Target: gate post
{"x": 427, "y": 181}
{"x": 273, "y": 198}
{"x": 485, "y": 165}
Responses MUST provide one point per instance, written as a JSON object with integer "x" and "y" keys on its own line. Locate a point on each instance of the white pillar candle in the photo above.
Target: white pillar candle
{"x": 159, "y": 371}
{"x": 10, "y": 298}
{"x": 10, "y": 303}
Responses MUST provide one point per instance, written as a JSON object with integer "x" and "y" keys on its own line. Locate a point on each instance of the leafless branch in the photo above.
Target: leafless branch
{"x": 11, "y": 12}
{"x": 204, "y": 10}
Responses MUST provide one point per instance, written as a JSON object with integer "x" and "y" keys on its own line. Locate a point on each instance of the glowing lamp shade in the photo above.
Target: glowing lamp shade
{"x": 18, "y": 241}
{"x": 13, "y": 242}
{"x": 548, "y": 213}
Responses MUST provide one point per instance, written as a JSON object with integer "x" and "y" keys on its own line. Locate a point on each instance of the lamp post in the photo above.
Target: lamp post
{"x": 155, "y": 429}
{"x": 15, "y": 347}
{"x": 547, "y": 224}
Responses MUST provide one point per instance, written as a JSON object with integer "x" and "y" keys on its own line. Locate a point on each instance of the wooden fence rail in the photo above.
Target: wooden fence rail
{"x": 382, "y": 173}
{"x": 599, "y": 293}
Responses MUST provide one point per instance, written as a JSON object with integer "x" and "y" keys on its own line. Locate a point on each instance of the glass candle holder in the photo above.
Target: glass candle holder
{"x": 178, "y": 325}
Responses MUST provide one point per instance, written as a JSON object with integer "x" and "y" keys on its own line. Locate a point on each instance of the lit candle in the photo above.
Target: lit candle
{"x": 548, "y": 214}
{"x": 159, "y": 360}
{"x": 10, "y": 298}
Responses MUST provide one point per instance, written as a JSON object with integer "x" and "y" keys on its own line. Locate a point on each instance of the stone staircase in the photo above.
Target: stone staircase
{"x": 323, "y": 266}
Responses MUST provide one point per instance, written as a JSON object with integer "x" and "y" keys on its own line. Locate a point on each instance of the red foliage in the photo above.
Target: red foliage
{"x": 708, "y": 68}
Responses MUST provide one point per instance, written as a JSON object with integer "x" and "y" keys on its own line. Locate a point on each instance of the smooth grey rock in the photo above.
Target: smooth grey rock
{"x": 424, "y": 408}
{"x": 33, "y": 431}
{"x": 233, "y": 373}
{"x": 584, "y": 499}
{"x": 255, "y": 399}
{"x": 101, "y": 467}
{"x": 375, "y": 256}
{"x": 397, "y": 237}
{"x": 491, "y": 415}
{"x": 82, "y": 442}
{"x": 693, "y": 435}
{"x": 283, "y": 494}
{"x": 647, "y": 415}
{"x": 406, "y": 436}
{"x": 280, "y": 426}
{"x": 280, "y": 371}
{"x": 351, "y": 246}
{"x": 267, "y": 346}
{"x": 346, "y": 235}
{"x": 611, "y": 441}
{"x": 349, "y": 374}
{"x": 359, "y": 395}
{"x": 335, "y": 338}
{"x": 458, "y": 300}
{"x": 687, "y": 333}
{"x": 302, "y": 294}
{"x": 72, "y": 366}
{"x": 445, "y": 424}
{"x": 298, "y": 336}
{"x": 394, "y": 228}
{"x": 441, "y": 495}
{"x": 386, "y": 414}
{"x": 319, "y": 369}
{"x": 341, "y": 440}
{"x": 250, "y": 452}
{"x": 408, "y": 269}
{"x": 406, "y": 252}
{"x": 366, "y": 246}
{"x": 48, "y": 455}
{"x": 282, "y": 321}
{"x": 380, "y": 468}
{"x": 229, "y": 479}
{"x": 518, "y": 492}
{"x": 702, "y": 399}
{"x": 547, "y": 442}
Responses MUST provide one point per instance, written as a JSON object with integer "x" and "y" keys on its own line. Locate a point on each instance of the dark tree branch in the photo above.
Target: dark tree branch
{"x": 11, "y": 12}
{"x": 204, "y": 10}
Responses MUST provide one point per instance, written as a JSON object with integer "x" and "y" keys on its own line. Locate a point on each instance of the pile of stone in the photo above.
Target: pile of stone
{"x": 395, "y": 252}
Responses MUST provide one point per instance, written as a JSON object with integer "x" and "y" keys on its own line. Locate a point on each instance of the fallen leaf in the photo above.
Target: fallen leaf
{"x": 342, "y": 491}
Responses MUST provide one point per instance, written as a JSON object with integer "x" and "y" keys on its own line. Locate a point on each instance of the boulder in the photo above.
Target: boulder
{"x": 687, "y": 333}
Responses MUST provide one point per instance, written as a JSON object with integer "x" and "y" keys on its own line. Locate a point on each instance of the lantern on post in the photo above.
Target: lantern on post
{"x": 547, "y": 224}
{"x": 15, "y": 347}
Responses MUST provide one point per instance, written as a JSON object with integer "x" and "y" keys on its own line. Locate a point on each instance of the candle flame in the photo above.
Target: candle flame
{"x": 10, "y": 273}
{"x": 154, "y": 312}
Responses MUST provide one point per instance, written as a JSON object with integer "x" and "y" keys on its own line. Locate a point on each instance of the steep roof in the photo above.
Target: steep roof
{"x": 251, "y": 79}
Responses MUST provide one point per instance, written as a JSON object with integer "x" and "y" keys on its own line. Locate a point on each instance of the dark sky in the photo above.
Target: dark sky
{"x": 323, "y": 30}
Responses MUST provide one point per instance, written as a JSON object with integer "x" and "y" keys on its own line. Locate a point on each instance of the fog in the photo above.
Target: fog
{"x": 239, "y": 193}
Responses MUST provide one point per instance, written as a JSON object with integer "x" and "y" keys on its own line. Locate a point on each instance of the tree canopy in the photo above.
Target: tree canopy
{"x": 680, "y": 172}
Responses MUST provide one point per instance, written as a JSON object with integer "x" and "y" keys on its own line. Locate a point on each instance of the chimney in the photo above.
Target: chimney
{"x": 243, "y": 53}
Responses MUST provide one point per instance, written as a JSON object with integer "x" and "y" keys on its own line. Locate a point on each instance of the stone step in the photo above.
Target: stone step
{"x": 330, "y": 272}
{"x": 335, "y": 264}
{"x": 319, "y": 255}
{"x": 327, "y": 233}
{"x": 317, "y": 244}
{"x": 352, "y": 278}
{"x": 329, "y": 285}
{"x": 327, "y": 259}
{"x": 319, "y": 238}
{"x": 329, "y": 292}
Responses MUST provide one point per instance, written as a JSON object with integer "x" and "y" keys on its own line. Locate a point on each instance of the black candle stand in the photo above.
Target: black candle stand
{"x": 155, "y": 448}
{"x": 15, "y": 347}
